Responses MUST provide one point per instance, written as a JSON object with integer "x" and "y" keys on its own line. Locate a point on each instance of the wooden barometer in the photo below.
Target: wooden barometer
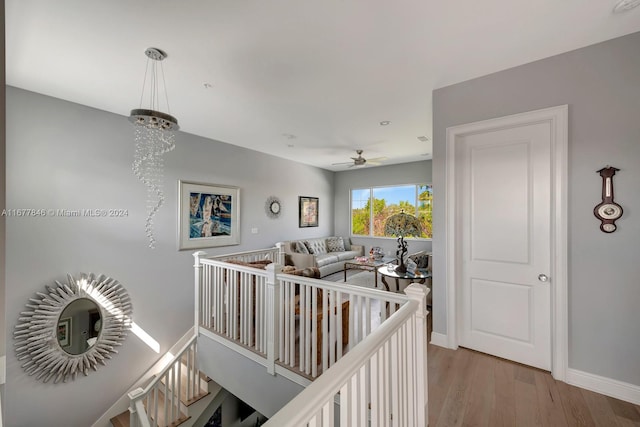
{"x": 607, "y": 211}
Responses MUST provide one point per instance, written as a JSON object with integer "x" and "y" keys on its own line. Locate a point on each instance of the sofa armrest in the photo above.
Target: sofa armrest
{"x": 301, "y": 261}
{"x": 359, "y": 248}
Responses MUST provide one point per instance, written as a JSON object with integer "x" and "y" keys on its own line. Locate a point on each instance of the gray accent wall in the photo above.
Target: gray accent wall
{"x": 345, "y": 181}
{"x": 601, "y": 85}
{"x": 62, "y": 155}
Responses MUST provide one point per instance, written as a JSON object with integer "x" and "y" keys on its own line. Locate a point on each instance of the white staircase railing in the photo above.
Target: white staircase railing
{"x": 299, "y": 323}
{"x": 381, "y": 382}
{"x": 162, "y": 401}
{"x": 373, "y": 342}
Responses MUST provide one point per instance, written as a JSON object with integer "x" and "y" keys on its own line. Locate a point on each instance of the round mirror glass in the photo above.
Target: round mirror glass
{"x": 79, "y": 326}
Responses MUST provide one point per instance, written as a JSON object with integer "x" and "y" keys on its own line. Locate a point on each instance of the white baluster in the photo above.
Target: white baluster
{"x": 273, "y": 301}
{"x": 197, "y": 280}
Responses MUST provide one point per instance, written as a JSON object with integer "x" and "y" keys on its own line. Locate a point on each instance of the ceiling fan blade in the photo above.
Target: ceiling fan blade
{"x": 376, "y": 159}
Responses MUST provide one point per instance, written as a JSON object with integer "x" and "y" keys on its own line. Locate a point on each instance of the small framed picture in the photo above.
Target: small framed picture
{"x": 307, "y": 211}
{"x": 209, "y": 215}
{"x": 64, "y": 332}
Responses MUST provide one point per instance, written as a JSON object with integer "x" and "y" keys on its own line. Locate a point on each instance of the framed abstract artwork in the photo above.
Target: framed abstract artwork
{"x": 307, "y": 211}
{"x": 208, "y": 215}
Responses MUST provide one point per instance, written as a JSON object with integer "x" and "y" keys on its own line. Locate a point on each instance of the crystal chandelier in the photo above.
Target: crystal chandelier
{"x": 154, "y": 136}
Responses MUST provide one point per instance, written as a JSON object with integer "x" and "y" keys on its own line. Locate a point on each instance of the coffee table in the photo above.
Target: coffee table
{"x": 387, "y": 270}
{"x": 368, "y": 265}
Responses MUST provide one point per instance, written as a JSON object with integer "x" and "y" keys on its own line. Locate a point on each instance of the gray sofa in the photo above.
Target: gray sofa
{"x": 327, "y": 254}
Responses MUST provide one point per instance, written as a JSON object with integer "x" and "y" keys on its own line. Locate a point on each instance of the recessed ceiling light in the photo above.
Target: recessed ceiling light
{"x": 290, "y": 145}
{"x": 384, "y": 123}
{"x": 289, "y": 135}
{"x": 423, "y": 139}
{"x": 626, "y": 5}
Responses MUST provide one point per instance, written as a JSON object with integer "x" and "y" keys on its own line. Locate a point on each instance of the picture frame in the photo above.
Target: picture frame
{"x": 208, "y": 215}
{"x": 64, "y": 332}
{"x": 307, "y": 211}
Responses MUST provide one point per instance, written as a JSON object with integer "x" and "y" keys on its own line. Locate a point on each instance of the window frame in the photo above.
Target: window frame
{"x": 371, "y": 209}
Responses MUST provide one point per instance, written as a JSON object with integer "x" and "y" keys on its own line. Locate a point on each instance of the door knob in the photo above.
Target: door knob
{"x": 542, "y": 277}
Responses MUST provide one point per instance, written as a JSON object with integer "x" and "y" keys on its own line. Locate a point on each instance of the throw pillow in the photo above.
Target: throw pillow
{"x": 317, "y": 246}
{"x": 308, "y": 246}
{"x": 301, "y": 248}
{"x": 335, "y": 244}
{"x": 347, "y": 244}
{"x": 421, "y": 259}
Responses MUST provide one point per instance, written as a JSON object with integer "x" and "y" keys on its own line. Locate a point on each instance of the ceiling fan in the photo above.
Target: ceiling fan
{"x": 361, "y": 161}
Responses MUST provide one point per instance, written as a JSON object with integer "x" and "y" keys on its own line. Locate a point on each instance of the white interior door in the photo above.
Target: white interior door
{"x": 504, "y": 178}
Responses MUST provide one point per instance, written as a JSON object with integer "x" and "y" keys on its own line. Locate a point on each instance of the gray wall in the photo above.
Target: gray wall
{"x": 407, "y": 173}
{"x": 67, "y": 156}
{"x": 601, "y": 85}
{"x": 244, "y": 378}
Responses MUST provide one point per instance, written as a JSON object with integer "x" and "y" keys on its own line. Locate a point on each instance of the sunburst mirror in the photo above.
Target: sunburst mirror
{"x": 73, "y": 327}
{"x": 273, "y": 207}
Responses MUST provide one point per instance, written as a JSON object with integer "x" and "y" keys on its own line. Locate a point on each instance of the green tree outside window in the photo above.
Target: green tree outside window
{"x": 368, "y": 220}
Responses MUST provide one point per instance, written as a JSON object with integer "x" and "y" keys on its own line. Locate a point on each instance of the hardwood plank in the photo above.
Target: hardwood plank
{"x": 121, "y": 420}
{"x": 549, "y": 401}
{"x": 525, "y": 374}
{"x": 599, "y": 408}
{"x": 481, "y": 394}
{"x": 503, "y": 412}
{"x": 452, "y": 413}
{"x": 575, "y": 407}
{"x": 626, "y": 422}
{"x": 624, "y": 409}
{"x": 526, "y": 401}
{"x": 441, "y": 373}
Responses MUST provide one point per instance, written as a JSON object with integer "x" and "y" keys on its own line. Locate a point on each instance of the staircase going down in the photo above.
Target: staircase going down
{"x": 177, "y": 396}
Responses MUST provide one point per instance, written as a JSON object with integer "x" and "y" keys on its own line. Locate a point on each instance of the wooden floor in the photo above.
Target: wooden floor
{"x": 467, "y": 388}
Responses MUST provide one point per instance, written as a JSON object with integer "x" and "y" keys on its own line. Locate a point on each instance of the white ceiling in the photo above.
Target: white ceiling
{"x": 301, "y": 79}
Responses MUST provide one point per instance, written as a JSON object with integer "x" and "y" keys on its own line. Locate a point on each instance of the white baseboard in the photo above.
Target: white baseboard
{"x": 439, "y": 339}
{"x": 607, "y": 386}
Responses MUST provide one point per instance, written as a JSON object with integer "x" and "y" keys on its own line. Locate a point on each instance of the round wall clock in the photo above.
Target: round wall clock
{"x": 607, "y": 211}
{"x": 273, "y": 206}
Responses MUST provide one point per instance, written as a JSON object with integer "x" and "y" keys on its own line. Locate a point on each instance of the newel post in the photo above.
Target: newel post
{"x": 273, "y": 315}
{"x": 197, "y": 279}
{"x": 137, "y": 414}
{"x": 281, "y": 254}
{"x": 418, "y": 293}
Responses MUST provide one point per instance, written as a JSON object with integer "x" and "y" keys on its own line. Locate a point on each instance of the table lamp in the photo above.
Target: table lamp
{"x": 401, "y": 225}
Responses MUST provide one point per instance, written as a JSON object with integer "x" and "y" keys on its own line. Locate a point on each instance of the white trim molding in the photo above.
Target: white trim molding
{"x": 558, "y": 119}
{"x": 603, "y": 385}
{"x": 439, "y": 339}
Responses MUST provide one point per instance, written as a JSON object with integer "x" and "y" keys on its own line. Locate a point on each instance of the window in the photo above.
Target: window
{"x": 368, "y": 219}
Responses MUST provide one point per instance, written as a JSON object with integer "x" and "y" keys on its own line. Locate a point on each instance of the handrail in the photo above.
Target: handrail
{"x": 170, "y": 365}
{"x": 139, "y": 413}
{"x": 275, "y": 250}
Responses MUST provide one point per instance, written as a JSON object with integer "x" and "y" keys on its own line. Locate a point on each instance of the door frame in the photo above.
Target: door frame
{"x": 558, "y": 119}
